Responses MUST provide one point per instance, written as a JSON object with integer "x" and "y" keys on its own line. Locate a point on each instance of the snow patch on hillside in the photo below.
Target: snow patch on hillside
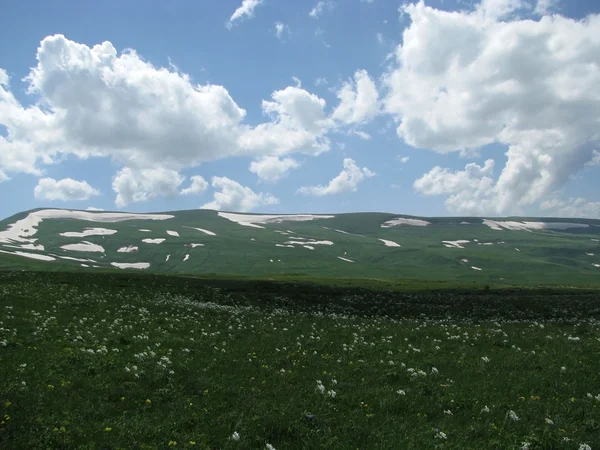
{"x": 140, "y": 265}
{"x": 390, "y": 243}
{"x": 30, "y": 255}
{"x": 129, "y": 249}
{"x": 22, "y": 230}
{"x": 345, "y": 259}
{"x": 475, "y": 268}
{"x": 404, "y": 221}
{"x": 173, "y": 233}
{"x": 528, "y": 226}
{"x": 84, "y": 246}
{"x": 251, "y": 220}
{"x": 89, "y": 232}
{"x": 210, "y": 233}
{"x": 154, "y": 241}
{"x": 186, "y": 257}
{"x": 455, "y": 244}
{"x": 309, "y": 242}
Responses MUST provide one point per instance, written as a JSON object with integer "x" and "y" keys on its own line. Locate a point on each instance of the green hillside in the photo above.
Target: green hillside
{"x": 507, "y": 251}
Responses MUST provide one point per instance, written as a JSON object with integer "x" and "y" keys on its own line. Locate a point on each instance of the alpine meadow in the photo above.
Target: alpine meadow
{"x": 285, "y": 225}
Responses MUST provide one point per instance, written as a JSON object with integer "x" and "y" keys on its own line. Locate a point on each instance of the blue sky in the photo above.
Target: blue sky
{"x": 449, "y": 91}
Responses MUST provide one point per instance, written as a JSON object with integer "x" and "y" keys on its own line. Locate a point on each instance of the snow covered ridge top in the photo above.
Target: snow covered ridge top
{"x": 250, "y": 220}
{"x": 405, "y": 221}
{"x": 528, "y": 226}
{"x": 22, "y": 230}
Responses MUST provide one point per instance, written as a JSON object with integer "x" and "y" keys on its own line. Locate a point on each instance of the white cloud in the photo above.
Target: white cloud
{"x": 347, "y": 181}
{"x": 64, "y": 190}
{"x": 92, "y": 102}
{"x": 544, "y": 7}
{"x": 298, "y": 82}
{"x": 403, "y": 159}
{"x": 499, "y": 9}
{"x": 92, "y": 208}
{"x": 468, "y": 189}
{"x": 361, "y": 134}
{"x": 281, "y": 31}
{"x": 272, "y": 168}
{"x": 574, "y": 207}
{"x": 320, "y": 7}
{"x": 298, "y": 124}
{"x": 358, "y": 100}
{"x": 246, "y": 10}
{"x": 232, "y": 196}
{"x": 140, "y": 185}
{"x": 379, "y": 38}
{"x": 595, "y": 161}
{"x": 526, "y": 84}
{"x": 197, "y": 186}
{"x": 321, "y": 81}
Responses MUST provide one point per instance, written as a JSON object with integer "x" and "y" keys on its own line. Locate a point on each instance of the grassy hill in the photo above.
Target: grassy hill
{"x": 508, "y": 251}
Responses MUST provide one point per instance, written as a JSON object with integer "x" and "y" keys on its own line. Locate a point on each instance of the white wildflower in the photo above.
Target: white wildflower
{"x": 400, "y": 392}
{"x": 235, "y": 436}
{"x": 513, "y": 416}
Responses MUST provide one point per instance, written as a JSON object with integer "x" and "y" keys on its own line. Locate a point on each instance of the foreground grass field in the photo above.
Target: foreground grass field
{"x": 98, "y": 361}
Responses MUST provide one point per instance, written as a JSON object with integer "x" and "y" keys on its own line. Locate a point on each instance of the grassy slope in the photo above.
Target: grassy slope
{"x": 210, "y": 356}
{"x": 544, "y": 258}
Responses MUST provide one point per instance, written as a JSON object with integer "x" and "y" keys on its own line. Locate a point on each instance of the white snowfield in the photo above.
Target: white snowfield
{"x": 281, "y": 245}
{"x": 22, "y": 230}
{"x": 310, "y": 247}
{"x": 210, "y": 233}
{"x": 168, "y": 256}
{"x": 70, "y": 258}
{"x": 528, "y": 226}
{"x": 140, "y": 265}
{"x": 309, "y": 242}
{"x": 38, "y": 247}
{"x": 84, "y": 246}
{"x": 129, "y": 249}
{"x": 596, "y": 240}
{"x": 405, "y": 221}
{"x": 465, "y": 260}
{"x": 590, "y": 254}
{"x": 89, "y": 232}
{"x": 390, "y": 243}
{"x": 144, "y": 230}
{"x": 345, "y": 259}
{"x": 251, "y": 220}
{"x": 455, "y": 244}
{"x": 596, "y": 265}
{"x": 186, "y": 257}
{"x": 173, "y": 233}
{"x": 154, "y": 241}
{"x": 475, "y": 268}
{"x": 196, "y": 245}
{"x": 30, "y": 255}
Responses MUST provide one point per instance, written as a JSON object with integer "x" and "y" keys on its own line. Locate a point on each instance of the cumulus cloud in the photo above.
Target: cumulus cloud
{"x": 140, "y": 185}
{"x": 320, "y": 7}
{"x": 197, "y": 186}
{"x": 232, "y": 196}
{"x": 298, "y": 123}
{"x": 574, "y": 207}
{"x": 272, "y": 168}
{"x": 246, "y": 10}
{"x": 468, "y": 189}
{"x": 347, "y": 181}
{"x": 63, "y": 190}
{"x": 403, "y": 159}
{"x": 358, "y": 100}
{"x": 94, "y": 102}
{"x": 543, "y": 7}
{"x": 525, "y": 84}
